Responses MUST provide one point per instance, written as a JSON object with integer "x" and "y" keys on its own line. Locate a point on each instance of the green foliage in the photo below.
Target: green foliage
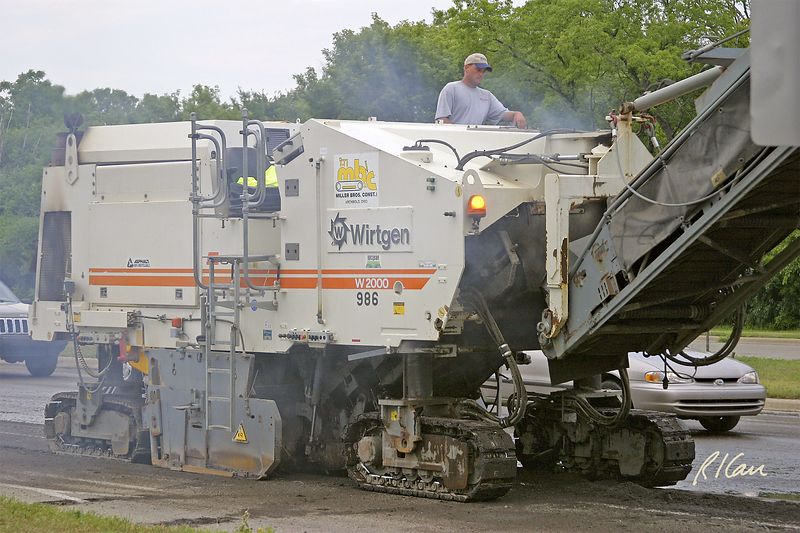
{"x": 17, "y": 253}
{"x": 777, "y": 305}
{"x": 392, "y": 73}
{"x": 572, "y": 61}
{"x": 564, "y": 63}
{"x": 206, "y": 102}
{"x": 244, "y": 526}
{"x": 31, "y": 114}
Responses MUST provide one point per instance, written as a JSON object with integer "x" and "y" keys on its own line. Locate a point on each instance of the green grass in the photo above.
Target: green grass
{"x": 724, "y": 332}
{"x": 18, "y": 517}
{"x": 781, "y": 377}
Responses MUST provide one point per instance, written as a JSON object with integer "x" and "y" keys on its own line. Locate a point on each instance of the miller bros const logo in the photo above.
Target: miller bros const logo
{"x": 356, "y": 182}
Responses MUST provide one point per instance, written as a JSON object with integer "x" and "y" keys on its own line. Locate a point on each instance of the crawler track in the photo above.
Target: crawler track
{"x": 676, "y": 444}
{"x": 63, "y": 442}
{"x": 657, "y": 449}
{"x": 491, "y": 462}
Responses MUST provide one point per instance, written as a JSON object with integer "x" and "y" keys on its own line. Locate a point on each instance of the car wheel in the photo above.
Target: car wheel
{"x": 719, "y": 424}
{"x": 43, "y": 366}
{"x": 610, "y": 384}
{"x": 130, "y": 374}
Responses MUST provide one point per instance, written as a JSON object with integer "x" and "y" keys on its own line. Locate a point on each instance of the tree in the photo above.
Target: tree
{"x": 777, "y": 305}
{"x": 564, "y": 63}
{"x": 570, "y": 62}
{"x": 104, "y": 106}
{"x": 206, "y": 102}
{"x": 392, "y": 73}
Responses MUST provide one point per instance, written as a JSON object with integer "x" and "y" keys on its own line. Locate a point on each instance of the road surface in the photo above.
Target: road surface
{"x": 304, "y": 502}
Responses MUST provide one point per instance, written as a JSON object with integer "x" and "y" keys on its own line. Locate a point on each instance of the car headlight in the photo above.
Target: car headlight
{"x": 750, "y": 377}
{"x": 657, "y": 376}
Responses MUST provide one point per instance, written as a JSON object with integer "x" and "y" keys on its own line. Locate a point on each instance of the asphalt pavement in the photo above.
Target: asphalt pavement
{"x": 302, "y": 502}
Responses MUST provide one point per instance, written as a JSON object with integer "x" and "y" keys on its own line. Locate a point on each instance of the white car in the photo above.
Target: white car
{"x": 716, "y": 395}
{"x": 41, "y": 357}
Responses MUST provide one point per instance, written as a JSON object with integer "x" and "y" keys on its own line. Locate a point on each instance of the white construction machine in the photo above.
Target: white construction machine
{"x": 347, "y": 317}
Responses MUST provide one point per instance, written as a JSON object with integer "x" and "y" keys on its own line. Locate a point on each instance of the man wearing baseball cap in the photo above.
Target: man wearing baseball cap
{"x": 463, "y": 102}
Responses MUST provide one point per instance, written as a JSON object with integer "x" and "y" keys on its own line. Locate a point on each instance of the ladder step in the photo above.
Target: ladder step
{"x": 218, "y": 399}
{"x": 219, "y": 370}
{"x": 219, "y": 426}
{"x": 216, "y": 314}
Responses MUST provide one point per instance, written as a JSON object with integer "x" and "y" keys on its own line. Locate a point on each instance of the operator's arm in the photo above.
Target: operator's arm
{"x": 517, "y": 118}
{"x": 444, "y": 107}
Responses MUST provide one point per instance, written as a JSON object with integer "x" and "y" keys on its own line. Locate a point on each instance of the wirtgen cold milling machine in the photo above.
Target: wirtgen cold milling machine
{"x": 348, "y": 317}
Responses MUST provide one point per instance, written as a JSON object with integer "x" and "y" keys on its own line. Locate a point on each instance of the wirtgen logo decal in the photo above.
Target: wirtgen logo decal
{"x": 338, "y": 231}
{"x": 362, "y": 235}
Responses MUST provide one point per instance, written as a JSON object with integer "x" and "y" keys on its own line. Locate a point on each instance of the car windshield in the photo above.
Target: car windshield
{"x": 6, "y": 295}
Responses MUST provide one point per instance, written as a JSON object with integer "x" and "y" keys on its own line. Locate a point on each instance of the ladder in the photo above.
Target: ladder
{"x": 214, "y": 313}
{"x": 221, "y": 302}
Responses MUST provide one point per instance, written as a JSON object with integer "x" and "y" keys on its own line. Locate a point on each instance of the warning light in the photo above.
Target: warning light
{"x": 476, "y": 206}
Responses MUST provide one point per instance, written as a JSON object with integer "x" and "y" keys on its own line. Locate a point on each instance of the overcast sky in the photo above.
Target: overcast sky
{"x": 159, "y": 46}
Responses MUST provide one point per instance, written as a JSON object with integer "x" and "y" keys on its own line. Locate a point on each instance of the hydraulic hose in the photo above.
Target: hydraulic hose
{"x": 517, "y": 405}
{"x": 726, "y": 349}
{"x": 498, "y": 151}
{"x": 80, "y": 362}
{"x": 582, "y": 404}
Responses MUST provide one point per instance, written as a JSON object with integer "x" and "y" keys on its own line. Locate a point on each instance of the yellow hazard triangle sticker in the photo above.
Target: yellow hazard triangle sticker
{"x": 240, "y": 436}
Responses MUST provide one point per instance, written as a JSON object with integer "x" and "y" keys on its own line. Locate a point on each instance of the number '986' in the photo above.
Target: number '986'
{"x": 367, "y": 298}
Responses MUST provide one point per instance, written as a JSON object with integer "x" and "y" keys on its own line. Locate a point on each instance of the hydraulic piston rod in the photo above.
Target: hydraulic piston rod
{"x": 671, "y": 92}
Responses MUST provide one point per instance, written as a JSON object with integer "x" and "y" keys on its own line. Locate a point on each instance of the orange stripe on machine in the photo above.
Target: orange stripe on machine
{"x": 300, "y": 271}
{"x": 330, "y": 280}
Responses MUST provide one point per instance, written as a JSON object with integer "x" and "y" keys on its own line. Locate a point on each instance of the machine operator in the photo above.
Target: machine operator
{"x": 464, "y": 102}
{"x": 270, "y": 179}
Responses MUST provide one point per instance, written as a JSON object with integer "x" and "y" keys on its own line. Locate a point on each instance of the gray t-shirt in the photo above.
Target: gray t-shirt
{"x": 463, "y": 104}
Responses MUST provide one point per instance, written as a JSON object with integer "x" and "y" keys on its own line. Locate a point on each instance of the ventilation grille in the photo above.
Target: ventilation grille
{"x": 56, "y": 259}
{"x": 13, "y": 326}
{"x": 275, "y": 136}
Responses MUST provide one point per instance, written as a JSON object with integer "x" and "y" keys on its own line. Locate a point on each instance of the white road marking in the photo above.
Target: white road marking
{"x": 46, "y": 492}
{"x": 22, "y": 435}
{"x": 104, "y": 483}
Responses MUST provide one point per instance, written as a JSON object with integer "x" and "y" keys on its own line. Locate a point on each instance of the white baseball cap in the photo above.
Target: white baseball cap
{"x": 479, "y": 60}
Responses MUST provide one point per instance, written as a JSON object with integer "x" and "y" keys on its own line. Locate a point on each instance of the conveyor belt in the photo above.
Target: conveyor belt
{"x": 672, "y": 272}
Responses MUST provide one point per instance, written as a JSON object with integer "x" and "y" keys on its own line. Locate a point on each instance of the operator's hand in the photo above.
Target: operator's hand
{"x": 519, "y": 120}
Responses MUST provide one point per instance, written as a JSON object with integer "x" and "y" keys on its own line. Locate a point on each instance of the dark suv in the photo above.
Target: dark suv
{"x": 41, "y": 357}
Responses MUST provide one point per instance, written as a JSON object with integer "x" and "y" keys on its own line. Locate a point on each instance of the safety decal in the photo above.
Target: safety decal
{"x": 138, "y": 263}
{"x": 399, "y": 308}
{"x": 240, "y": 436}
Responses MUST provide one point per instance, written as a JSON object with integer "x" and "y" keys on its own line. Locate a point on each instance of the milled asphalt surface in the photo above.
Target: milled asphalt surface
{"x": 303, "y": 502}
